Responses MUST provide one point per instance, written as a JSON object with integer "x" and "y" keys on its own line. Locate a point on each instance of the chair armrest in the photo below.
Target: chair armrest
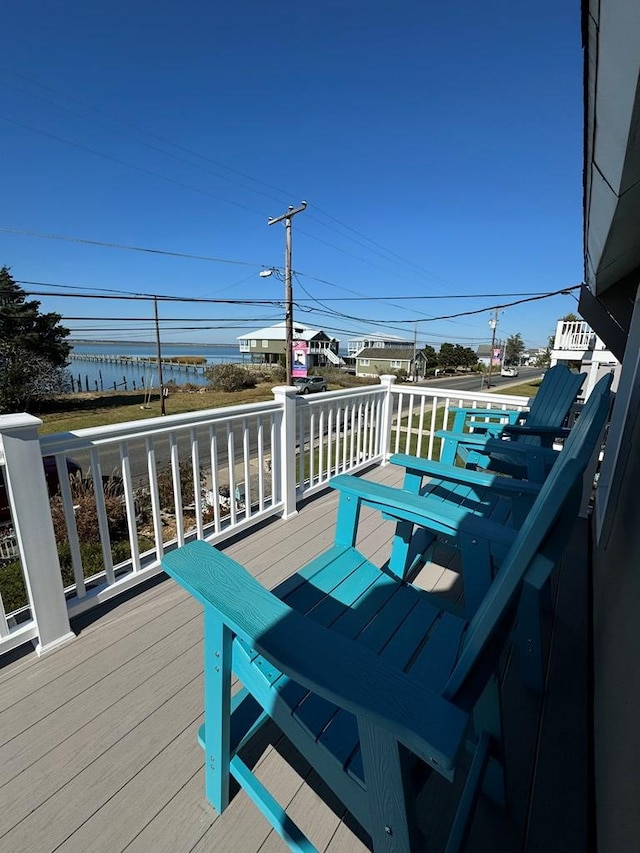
{"x": 427, "y": 467}
{"x": 431, "y": 513}
{"x": 478, "y": 439}
{"x": 339, "y": 670}
{"x": 512, "y": 414}
{"x": 524, "y": 451}
{"x": 536, "y": 429}
{"x": 465, "y": 417}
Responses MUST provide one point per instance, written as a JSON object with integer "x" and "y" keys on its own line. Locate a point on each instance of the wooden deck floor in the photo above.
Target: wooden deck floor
{"x": 98, "y": 741}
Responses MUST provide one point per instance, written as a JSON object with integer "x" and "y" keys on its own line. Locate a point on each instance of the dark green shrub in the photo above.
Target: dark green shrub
{"x": 86, "y": 515}
{"x": 230, "y": 377}
{"x": 12, "y": 588}
{"x": 165, "y": 486}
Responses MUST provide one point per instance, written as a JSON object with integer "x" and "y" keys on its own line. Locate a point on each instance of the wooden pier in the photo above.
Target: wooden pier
{"x": 141, "y": 361}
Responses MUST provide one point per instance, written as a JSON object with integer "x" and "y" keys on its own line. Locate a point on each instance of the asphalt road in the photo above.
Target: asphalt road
{"x": 475, "y": 382}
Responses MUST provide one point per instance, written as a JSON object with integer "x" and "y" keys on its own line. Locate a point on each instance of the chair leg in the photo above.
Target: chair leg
{"x": 529, "y": 639}
{"x": 271, "y": 809}
{"x": 408, "y": 549}
{"x": 449, "y": 448}
{"x": 217, "y": 709}
{"x": 535, "y": 595}
{"x": 487, "y": 718}
{"x": 392, "y": 823}
{"x": 469, "y": 798}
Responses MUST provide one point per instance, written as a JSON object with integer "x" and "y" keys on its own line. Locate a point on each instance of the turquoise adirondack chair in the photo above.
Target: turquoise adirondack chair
{"x": 491, "y": 498}
{"x": 537, "y": 427}
{"x": 367, "y": 677}
{"x": 497, "y": 498}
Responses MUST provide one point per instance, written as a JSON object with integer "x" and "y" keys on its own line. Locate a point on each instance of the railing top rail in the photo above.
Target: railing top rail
{"x": 460, "y": 394}
{"x": 152, "y": 426}
{"x": 574, "y": 324}
{"x": 343, "y": 393}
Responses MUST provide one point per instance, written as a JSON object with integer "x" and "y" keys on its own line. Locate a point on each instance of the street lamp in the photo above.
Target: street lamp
{"x": 266, "y": 273}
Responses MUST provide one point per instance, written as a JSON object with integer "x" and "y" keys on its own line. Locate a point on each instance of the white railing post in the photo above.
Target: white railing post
{"x": 285, "y": 395}
{"x": 387, "y": 381}
{"x": 29, "y": 502}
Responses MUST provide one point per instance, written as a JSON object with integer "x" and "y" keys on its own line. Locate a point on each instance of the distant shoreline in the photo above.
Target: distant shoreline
{"x": 92, "y": 341}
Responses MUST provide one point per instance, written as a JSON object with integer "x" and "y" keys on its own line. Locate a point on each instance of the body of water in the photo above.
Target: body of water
{"x": 96, "y": 366}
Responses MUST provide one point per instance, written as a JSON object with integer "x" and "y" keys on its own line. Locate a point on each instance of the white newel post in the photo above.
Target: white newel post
{"x": 387, "y": 381}
{"x": 29, "y": 502}
{"x": 285, "y": 395}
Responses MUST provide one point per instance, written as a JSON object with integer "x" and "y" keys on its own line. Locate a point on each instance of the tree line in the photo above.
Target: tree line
{"x": 453, "y": 356}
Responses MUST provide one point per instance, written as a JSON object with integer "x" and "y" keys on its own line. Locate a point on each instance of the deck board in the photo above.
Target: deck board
{"x": 98, "y": 746}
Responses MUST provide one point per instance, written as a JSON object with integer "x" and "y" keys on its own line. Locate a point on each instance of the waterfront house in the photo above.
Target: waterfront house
{"x": 267, "y": 346}
{"x": 357, "y": 344}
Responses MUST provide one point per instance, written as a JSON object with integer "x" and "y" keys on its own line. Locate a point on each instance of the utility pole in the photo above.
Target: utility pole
{"x": 160, "y": 380}
{"x": 288, "y": 290}
{"x": 493, "y": 323}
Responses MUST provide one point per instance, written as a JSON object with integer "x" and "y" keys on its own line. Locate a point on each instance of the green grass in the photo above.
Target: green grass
{"x": 78, "y": 411}
{"x": 524, "y": 389}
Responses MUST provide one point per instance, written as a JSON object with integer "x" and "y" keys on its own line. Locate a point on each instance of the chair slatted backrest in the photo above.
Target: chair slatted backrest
{"x": 564, "y": 479}
{"x": 549, "y": 410}
{"x": 557, "y": 393}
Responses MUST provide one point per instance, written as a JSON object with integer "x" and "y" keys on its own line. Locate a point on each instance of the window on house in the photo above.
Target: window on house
{"x": 265, "y": 344}
{"x": 395, "y": 362}
{"x": 364, "y": 362}
{"x": 254, "y": 343}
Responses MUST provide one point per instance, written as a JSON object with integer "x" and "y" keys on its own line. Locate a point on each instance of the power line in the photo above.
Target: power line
{"x": 192, "y": 153}
{"x": 162, "y": 139}
{"x": 166, "y": 252}
{"x": 178, "y": 319}
{"x": 129, "y": 165}
{"x": 68, "y": 239}
{"x": 273, "y": 302}
{"x": 439, "y": 296}
{"x": 148, "y": 145}
{"x": 138, "y": 297}
{"x": 564, "y": 292}
{"x": 309, "y": 298}
{"x": 380, "y": 246}
{"x": 396, "y": 324}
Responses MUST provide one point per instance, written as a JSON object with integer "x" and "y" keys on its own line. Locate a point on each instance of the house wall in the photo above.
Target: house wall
{"x": 262, "y": 347}
{"x": 616, "y": 634}
{"x": 377, "y": 366}
{"x": 269, "y": 351}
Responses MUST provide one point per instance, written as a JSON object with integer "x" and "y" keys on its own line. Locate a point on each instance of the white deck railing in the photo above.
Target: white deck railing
{"x": 148, "y": 486}
{"x": 575, "y": 336}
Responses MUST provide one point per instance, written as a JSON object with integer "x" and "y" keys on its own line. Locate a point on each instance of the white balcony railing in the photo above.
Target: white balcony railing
{"x": 145, "y": 487}
{"x": 575, "y": 336}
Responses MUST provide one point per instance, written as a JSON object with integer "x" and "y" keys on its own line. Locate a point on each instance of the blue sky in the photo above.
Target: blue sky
{"x": 439, "y": 147}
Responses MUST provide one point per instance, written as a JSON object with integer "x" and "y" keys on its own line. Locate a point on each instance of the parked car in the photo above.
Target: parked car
{"x": 51, "y": 474}
{"x": 509, "y": 370}
{"x": 309, "y": 384}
